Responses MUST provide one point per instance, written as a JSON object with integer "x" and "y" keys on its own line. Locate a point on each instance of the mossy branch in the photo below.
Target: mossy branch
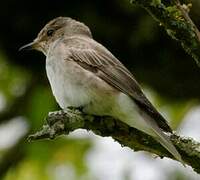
{"x": 64, "y": 122}
{"x": 173, "y": 16}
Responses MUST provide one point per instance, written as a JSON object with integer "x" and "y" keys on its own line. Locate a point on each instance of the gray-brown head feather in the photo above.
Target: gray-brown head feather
{"x": 58, "y": 28}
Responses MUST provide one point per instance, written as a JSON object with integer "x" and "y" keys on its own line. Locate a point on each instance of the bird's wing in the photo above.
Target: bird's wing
{"x": 110, "y": 69}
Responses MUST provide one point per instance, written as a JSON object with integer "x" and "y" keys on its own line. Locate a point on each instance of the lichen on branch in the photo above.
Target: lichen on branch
{"x": 64, "y": 122}
{"x": 173, "y": 16}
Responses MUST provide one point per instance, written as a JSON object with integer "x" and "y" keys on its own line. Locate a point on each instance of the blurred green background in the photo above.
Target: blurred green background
{"x": 168, "y": 75}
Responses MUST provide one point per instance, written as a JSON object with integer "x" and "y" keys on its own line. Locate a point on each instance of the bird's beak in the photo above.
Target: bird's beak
{"x": 29, "y": 46}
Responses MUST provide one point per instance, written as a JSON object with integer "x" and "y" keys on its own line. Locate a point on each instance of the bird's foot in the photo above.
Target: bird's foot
{"x": 72, "y": 108}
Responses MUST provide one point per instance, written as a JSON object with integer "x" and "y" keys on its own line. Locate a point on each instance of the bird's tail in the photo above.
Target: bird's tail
{"x": 162, "y": 138}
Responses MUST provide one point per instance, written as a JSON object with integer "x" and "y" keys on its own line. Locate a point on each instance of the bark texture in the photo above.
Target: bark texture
{"x": 173, "y": 16}
{"x": 64, "y": 122}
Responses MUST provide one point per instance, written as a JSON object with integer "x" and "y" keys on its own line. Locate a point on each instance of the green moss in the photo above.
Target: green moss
{"x": 174, "y": 12}
{"x": 174, "y": 22}
{"x": 155, "y": 2}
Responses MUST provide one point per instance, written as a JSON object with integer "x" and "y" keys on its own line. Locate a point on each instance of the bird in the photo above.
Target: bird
{"x": 85, "y": 74}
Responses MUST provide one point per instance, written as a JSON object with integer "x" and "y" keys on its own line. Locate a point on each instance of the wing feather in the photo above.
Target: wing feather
{"x": 111, "y": 70}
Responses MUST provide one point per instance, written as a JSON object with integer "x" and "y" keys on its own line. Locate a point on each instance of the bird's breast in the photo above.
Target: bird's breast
{"x": 68, "y": 83}
{"x": 72, "y": 85}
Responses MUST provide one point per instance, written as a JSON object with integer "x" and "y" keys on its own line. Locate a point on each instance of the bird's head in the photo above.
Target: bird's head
{"x": 57, "y": 28}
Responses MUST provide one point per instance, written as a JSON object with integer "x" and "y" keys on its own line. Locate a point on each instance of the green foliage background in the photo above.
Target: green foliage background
{"x": 169, "y": 77}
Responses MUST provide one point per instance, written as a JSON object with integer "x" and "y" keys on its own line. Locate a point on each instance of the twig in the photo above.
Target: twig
{"x": 64, "y": 122}
{"x": 187, "y": 18}
{"x": 176, "y": 22}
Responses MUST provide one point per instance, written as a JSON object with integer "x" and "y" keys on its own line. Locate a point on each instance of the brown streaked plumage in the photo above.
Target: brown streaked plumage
{"x": 111, "y": 70}
{"x": 84, "y": 73}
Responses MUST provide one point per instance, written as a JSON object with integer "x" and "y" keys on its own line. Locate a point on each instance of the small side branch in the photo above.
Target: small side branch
{"x": 64, "y": 122}
{"x": 173, "y": 16}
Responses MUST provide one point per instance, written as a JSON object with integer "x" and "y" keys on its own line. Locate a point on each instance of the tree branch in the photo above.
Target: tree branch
{"x": 64, "y": 122}
{"x": 173, "y": 16}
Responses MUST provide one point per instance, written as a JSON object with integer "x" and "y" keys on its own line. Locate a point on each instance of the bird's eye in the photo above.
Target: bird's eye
{"x": 50, "y": 32}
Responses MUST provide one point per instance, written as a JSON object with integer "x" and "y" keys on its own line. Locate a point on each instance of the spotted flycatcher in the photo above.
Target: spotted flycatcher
{"x": 83, "y": 73}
